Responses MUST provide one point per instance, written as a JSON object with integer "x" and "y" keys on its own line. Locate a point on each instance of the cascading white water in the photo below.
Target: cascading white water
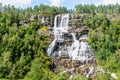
{"x": 59, "y": 31}
{"x": 64, "y": 23}
{"x": 55, "y": 22}
{"x": 73, "y": 51}
{"x": 51, "y": 47}
{"x": 74, "y": 37}
{"x": 79, "y": 50}
{"x": 84, "y": 49}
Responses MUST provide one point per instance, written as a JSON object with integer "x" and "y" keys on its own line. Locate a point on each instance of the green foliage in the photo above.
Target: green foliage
{"x": 104, "y": 39}
{"x": 79, "y": 77}
{"x": 18, "y": 48}
{"x": 63, "y": 76}
{"x": 92, "y": 9}
{"x": 101, "y": 76}
{"x": 39, "y": 69}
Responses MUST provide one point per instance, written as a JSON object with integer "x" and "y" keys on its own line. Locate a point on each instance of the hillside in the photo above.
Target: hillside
{"x": 25, "y": 35}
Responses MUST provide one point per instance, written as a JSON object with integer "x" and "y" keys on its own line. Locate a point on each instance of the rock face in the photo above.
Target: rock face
{"x": 61, "y": 65}
{"x": 42, "y": 20}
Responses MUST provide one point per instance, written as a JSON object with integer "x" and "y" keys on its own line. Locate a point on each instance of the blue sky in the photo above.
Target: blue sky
{"x": 70, "y": 4}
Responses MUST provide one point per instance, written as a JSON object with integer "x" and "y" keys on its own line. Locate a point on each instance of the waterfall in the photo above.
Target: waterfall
{"x": 63, "y": 28}
{"x": 73, "y": 51}
{"x": 78, "y": 50}
{"x": 74, "y": 37}
{"x": 64, "y": 23}
{"x": 58, "y": 32}
{"x": 55, "y": 21}
{"x": 51, "y": 47}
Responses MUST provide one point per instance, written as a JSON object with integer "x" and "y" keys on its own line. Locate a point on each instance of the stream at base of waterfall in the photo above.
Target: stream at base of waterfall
{"x": 78, "y": 49}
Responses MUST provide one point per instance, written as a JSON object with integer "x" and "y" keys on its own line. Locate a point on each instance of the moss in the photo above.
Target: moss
{"x": 44, "y": 28}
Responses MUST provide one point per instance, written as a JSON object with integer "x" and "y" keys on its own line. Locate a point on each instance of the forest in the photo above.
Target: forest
{"x": 23, "y": 50}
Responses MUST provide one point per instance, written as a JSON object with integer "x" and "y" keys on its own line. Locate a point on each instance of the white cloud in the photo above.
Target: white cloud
{"x": 16, "y": 3}
{"x": 56, "y": 2}
{"x": 106, "y": 2}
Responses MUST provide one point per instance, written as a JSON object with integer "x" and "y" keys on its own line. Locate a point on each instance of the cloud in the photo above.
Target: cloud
{"x": 56, "y": 2}
{"x": 106, "y": 2}
{"x": 16, "y": 3}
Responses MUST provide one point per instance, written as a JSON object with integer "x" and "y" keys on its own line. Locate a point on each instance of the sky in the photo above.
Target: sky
{"x": 69, "y": 4}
